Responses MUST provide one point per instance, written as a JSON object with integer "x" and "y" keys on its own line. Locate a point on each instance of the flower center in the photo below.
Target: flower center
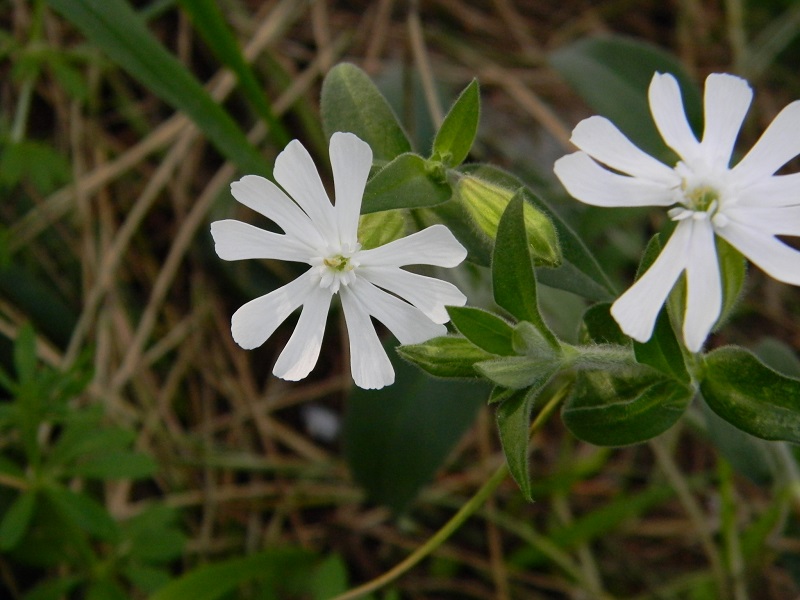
{"x": 338, "y": 263}
{"x": 699, "y": 202}
{"x": 703, "y": 198}
{"x": 338, "y": 268}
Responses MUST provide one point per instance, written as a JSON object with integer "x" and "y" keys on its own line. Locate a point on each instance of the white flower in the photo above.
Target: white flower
{"x": 369, "y": 282}
{"x": 747, "y": 205}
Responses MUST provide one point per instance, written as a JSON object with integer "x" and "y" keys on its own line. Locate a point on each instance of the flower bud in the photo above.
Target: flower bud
{"x": 485, "y": 202}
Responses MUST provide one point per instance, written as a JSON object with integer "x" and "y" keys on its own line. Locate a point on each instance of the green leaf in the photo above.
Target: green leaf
{"x": 406, "y": 182}
{"x": 114, "y": 27}
{"x": 621, "y": 408}
{"x": 351, "y": 102}
{"x": 600, "y": 326}
{"x": 733, "y": 269}
{"x": 105, "y": 589}
{"x": 484, "y": 329}
{"x": 85, "y": 434}
{"x": 16, "y": 519}
{"x": 44, "y": 305}
{"x": 146, "y": 578}
{"x": 329, "y": 578}
{"x": 513, "y": 279}
{"x": 445, "y": 356}
{"x": 120, "y": 464}
{"x": 527, "y": 340}
{"x": 210, "y": 22}
{"x": 54, "y": 589}
{"x": 153, "y": 535}
{"x": 377, "y": 229}
{"x": 82, "y": 511}
{"x": 579, "y": 272}
{"x": 518, "y": 372}
{"x": 779, "y": 356}
{"x": 25, "y": 354}
{"x": 751, "y": 396}
{"x": 457, "y": 133}
{"x": 396, "y": 438}
{"x": 210, "y": 582}
{"x": 513, "y": 424}
{"x": 600, "y": 69}
{"x": 663, "y": 351}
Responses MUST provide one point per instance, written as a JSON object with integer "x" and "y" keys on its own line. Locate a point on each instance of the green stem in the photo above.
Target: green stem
{"x": 20, "y": 123}
{"x": 730, "y": 532}
{"x": 449, "y": 528}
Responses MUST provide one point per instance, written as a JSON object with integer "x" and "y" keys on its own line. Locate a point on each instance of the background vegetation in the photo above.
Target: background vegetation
{"x": 144, "y": 455}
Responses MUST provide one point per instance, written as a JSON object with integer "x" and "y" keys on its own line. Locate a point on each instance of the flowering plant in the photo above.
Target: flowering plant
{"x": 629, "y": 377}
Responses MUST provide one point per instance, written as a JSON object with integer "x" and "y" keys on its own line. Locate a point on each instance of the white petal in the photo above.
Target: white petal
{"x": 263, "y": 196}
{"x": 637, "y": 309}
{"x": 703, "y": 286}
{"x": 369, "y": 363}
{"x": 666, "y": 107}
{"x": 255, "y": 321}
{"x": 408, "y": 324}
{"x": 779, "y": 144}
{"x": 302, "y": 350}
{"x": 434, "y": 245}
{"x": 726, "y": 101}
{"x": 590, "y": 183}
{"x": 428, "y": 294}
{"x": 765, "y": 251}
{"x": 601, "y": 140}
{"x": 351, "y": 160}
{"x": 296, "y": 173}
{"x": 784, "y": 220}
{"x": 234, "y": 240}
{"x": 775, "y": 191}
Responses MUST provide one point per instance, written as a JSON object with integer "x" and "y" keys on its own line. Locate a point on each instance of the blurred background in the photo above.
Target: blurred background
{"x": 141, "y": 450}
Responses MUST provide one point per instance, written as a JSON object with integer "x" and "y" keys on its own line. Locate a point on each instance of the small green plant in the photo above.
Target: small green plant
{"x": 55, "y": 451}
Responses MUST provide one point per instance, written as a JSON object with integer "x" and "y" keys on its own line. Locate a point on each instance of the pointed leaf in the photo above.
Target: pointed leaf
{"x": 118, "y": 464}
{"x": 454, "y": 138}
{"x": 25, "y": 354}
{"x": 517, "y": 372}
{"x": 83, "y": 512}
{"x": 513, "y": 278}
{"x": 513, "y": 424}
{"x": 484, "y": 329}
{"x": 209, "y": 20}
{"x": 600, "y": 326}
{"x": 751, "y": 396}
{"x": 406, "y": 182}
{"x": 272, "y": 567}
{"x": 445, "y": 356}
{"x": 114, "y": 27}
{"x": 15, "y": 521}
{"x": 663, "y": 351}
{"x": 351, "y": 102}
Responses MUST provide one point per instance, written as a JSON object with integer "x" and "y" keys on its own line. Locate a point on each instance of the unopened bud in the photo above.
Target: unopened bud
{"x": 485, "y": 202}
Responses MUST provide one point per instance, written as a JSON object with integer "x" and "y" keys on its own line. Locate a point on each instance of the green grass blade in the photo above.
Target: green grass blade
{"x": 114, "y": 27}
{"x": 210, "y": 22}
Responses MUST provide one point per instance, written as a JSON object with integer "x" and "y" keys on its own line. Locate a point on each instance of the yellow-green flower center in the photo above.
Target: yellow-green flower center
{"x": 338, "y": 263}
{"x": 703, "y": 198}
